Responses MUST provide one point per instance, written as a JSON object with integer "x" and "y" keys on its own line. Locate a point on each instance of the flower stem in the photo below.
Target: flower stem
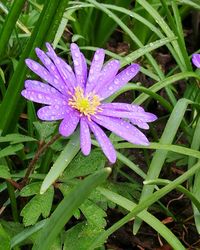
{"x": 31, "y": 165}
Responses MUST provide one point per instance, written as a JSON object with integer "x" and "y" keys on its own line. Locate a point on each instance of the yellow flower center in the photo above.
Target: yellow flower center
{"x": 87, "y": 105}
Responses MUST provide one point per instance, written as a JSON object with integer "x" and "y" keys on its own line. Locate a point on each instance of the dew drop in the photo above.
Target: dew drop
{"x": 35, "y": 66}
{"x": 96, "y": 57}
{"x": 76, "y": 63}
{"x": 39, "y": 96}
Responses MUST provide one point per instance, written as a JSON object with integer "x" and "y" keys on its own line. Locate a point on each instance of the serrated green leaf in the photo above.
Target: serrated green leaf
{"x": 31, "y": 189}
{"x": 40, "y": 204}
{"x": 80, "y": 237}
{"x": 67, "y": 206}
{"x": 45, "y": 129}
{"x": 4, "y": 239}
{"x": 10, "y": 150}
{"x": 4, "y": 172}
{"x": 94, "y": 214}
{"x": 84, "y": 165}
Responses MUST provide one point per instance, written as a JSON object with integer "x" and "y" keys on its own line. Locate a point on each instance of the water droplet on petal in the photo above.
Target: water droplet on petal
{"x": 76, "y": 63}
{"x": 96, "y": 57}
{"x": 35, "y": 66}
{"x": 39, "y": 96}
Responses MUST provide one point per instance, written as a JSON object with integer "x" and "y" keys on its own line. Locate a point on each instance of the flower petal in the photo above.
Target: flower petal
{"x": 53, "y": 113}
{"x": 107, "y": 75}
{"x": 104, "y": 142}
{"x": 135, "y": 113}
{"x": 64, "y": 69}
{"x": 196, "y": 60}
{"x": 42, "y": 87}
{"x": 121, "y": 79}
{"x": 85, "y": 139}
{"x": 80, "y": 66}
{"x": 69, "y": 123}
{"x": 122, "y": 128}
{"x": 95, "y": 70}
{"x": 52, "y": 69}
{"x": 43, "y": 98}
{"x": 43, "y": 73}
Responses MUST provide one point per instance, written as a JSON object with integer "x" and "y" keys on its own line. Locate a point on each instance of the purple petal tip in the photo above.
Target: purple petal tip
{"x": 196, "y": 60}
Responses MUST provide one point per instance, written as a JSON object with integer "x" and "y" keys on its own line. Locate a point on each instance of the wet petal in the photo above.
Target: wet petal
{"x": 95, "y": 70}
{"x": 103, "y": 141}
{"x": 140, "y": 123}
{"x": 122, "y": 107}
{"x": 85, "y": 139}
{"x": 130, "y": 111}
{"x": 80, "y": 66}
{"x": 122, "y": 128}
{"x": 43, "y": 98}
{"x": 52, "y": 69}
{"x": 196, "y": 60}
{"x": 69, "y": 124}
{"x": 121, "y": 79}
{"x": 107, "y": 75}
{"x": 52, "y": 113}
{"x": 42, "y": 87}
{"x": 64, "y": 69}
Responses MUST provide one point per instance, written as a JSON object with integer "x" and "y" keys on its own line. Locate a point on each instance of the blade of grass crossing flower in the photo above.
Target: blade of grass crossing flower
{"x": 144, "y": 215}
{"x": 66, "y": 208}
{"x": 62, "y": 162}
{"x": 159, "y": 157}
{"x": 9, "y": 24}
{"x": 145, "y": 204}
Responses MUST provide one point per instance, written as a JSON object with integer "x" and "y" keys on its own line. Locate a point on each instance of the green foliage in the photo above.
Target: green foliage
{"x": 82, "y": 166}
{"x": 40, "y": 204}
{"x": 4, "y": 239}
{"x": 153, "y": 33}
{"x": 4, "y": 172}
{"x": 44, "y": 129}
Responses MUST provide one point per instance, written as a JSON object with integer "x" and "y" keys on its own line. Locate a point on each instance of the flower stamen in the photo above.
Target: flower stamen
{"x": 86, "y": 104}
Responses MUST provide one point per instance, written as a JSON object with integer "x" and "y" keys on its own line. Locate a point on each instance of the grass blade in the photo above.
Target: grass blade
{"x": 66, "y": 208}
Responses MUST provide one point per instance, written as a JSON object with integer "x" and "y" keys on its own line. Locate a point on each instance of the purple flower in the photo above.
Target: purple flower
{"x": 196, "y": 60}
{"x": 77, "y": 97}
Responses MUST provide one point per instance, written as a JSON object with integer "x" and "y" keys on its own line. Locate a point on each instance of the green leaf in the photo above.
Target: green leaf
{"x": 4, "y": 172}
{"x": 84, "y": 165}
{"x": 94, "y": 214}
{"x": 4, "y": 239}
{"x": 45, "y": 129}
{"x": 38, "y": 205}
{"x": 30, "y": 189}
{"x": 66, "y": 208}
{"x": 16, "y": 138}
{"x": 10, "y": 150}
{"x": 80, "y": 237}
